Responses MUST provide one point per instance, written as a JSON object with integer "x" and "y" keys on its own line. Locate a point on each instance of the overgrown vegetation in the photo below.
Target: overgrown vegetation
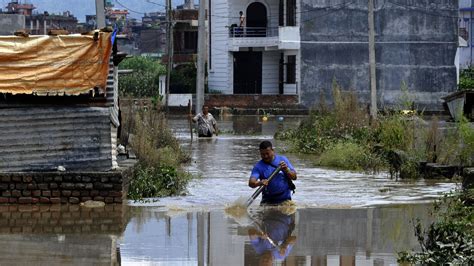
{"x": 466, "y": 79}
{"x": 450, "y": 239}
{"x": 183, "y": 79}
{"x": 144, "y": 80}
{"x": 158, "y": 172}
{"x": 343, "y": 137}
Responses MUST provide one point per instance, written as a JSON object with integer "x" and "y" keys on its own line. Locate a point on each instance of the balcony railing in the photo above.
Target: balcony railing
{"x": 252, "y": 32}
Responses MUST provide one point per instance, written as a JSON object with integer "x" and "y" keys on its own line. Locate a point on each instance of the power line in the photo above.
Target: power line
{"x": 425, "y": 11}
{"x": 131, "y": 10}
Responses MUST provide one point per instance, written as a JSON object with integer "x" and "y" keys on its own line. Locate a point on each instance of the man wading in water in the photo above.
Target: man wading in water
{"x": 207, "y": 125}
{"x": 278, "y": 191}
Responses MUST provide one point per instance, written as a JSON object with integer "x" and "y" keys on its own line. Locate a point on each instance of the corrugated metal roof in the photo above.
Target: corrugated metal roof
{"x": 42, "y": 138}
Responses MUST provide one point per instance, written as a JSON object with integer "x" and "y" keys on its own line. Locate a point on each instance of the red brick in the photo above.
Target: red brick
{"x": 13, "y": 200}
{"x": 25, "y": 200}
{"x": 46, "y": 193}
{"x": 55, "y": 200}
{"x": 16, "y": 193}
{"x": 6, "y": 193}
{"x": 31, "y": 186}
{"x": 98, "y": 198}
{"x": 115, "y": 193}
{"x": 83, "y": 199}
{"x": 34, "y": 200}
{"x": 109, "y": 200}
{"x": 44, "y": 200}
{"x": 4, "y": 200}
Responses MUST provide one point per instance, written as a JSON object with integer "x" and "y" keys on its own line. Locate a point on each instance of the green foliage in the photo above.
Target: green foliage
{"x": 344, "y": 138}
{"x": 395, "y": 132}
{"x": 158, "y": 172}
{"x": 183, "y": 79}
{"x": 466, "y": 79}
{"x": 352, "y": 156}
{"x": 466, "y": 132}
{"x": 406, "y": 100}
{"x": 450, "y": 239}
{"x": 144, "y": 80}
{"x": 156, "y": 182}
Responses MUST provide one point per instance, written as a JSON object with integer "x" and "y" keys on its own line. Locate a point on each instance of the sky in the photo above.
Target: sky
{"x": 81, "y": 8}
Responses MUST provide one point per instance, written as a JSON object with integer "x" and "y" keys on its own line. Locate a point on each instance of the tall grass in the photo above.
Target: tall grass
{"x": 344, "y": 137}
{"x": 158, "y": 172}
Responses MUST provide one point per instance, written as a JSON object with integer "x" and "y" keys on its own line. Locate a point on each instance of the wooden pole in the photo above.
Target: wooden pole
{"x": 190, "y": 107}
{"x": 169, "y": 38}
{"x": 372, "y": 65}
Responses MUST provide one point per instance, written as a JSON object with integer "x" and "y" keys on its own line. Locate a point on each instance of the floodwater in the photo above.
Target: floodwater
{"x": 341, "y": 218}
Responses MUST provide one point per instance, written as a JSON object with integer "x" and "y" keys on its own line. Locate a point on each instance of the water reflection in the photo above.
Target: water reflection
{"x": 366, "y": 236}
{"x": 60, "y": 235}
{"x": 271, "y": 237}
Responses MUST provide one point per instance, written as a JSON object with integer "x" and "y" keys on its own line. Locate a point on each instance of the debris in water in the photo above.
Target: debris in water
{"x": 92, "y": 204}
{"x": 238, "y": 211}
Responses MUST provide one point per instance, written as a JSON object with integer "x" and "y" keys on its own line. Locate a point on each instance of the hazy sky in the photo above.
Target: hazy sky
{"x": 81, "y": 8}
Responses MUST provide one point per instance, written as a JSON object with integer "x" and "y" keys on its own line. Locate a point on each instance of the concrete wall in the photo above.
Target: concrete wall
{"x": 9, "y": 23}
{"x": 416, "y": 43}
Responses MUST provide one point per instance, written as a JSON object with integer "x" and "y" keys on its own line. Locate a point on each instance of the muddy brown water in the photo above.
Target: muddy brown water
{"x": 341, "y": 218}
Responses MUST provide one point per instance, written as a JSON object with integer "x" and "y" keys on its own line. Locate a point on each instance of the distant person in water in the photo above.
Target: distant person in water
{"x": 271, "y": 238}
{"x": 278, "y": 191}
{"x": 207, "y": 125}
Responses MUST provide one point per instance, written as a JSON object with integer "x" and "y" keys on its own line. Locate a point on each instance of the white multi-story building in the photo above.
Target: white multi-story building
{"x": 262, "y": 56}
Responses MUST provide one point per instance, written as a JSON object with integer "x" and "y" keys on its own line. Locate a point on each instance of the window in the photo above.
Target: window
{"x": 190, "y": 40}
{"x": 290, "y": 12}
{"x": 291, "y": 69}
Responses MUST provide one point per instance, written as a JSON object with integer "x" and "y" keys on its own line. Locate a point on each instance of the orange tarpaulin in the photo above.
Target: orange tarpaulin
{"x": 70, "y": 64}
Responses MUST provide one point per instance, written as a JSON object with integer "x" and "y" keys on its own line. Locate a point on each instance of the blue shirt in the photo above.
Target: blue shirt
{"x": 278, "y": 189}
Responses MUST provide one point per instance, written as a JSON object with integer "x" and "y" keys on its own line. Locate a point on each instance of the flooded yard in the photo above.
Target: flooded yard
{"x": 341, "y": 218}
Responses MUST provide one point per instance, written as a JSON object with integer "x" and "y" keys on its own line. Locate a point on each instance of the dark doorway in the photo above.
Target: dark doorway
{"x": 256, "y": 20}
{"x": 248, "y": 73}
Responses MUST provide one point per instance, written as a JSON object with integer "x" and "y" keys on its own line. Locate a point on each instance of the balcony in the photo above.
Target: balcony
{"x": 269, "y": 38}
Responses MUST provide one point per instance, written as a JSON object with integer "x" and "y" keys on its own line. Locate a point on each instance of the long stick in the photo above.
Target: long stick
{"x": 190, "y": 107}
{"x": 260, "y": 189}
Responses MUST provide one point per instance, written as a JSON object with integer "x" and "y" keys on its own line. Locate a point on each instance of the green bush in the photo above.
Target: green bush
{"x": 395, "y": 132}
{"x": 351, "y": 156}
{"x": 466, "y": 79}
{"x": 183, "y": 79}
{"x": 158, "y": 172}
{"x": 144, "y": 80}
{"x": 449, "y": 240}
{"x": 156, "y": 182}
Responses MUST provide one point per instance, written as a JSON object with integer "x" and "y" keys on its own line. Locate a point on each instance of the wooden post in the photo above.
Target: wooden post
{"x": 372, "y": 65}
{"x": 170, "y": 48}
{"x": 190, "y": 108}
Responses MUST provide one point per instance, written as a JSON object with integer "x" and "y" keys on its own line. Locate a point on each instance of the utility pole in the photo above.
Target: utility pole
{"x": 169, "y": 38}
{"x": 372, "y": 66}
{"x": 100, "y": 13}
{"x": 201, "y": 56}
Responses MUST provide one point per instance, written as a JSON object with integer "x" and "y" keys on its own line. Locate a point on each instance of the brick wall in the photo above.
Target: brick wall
{"x": 61, "y": 187}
